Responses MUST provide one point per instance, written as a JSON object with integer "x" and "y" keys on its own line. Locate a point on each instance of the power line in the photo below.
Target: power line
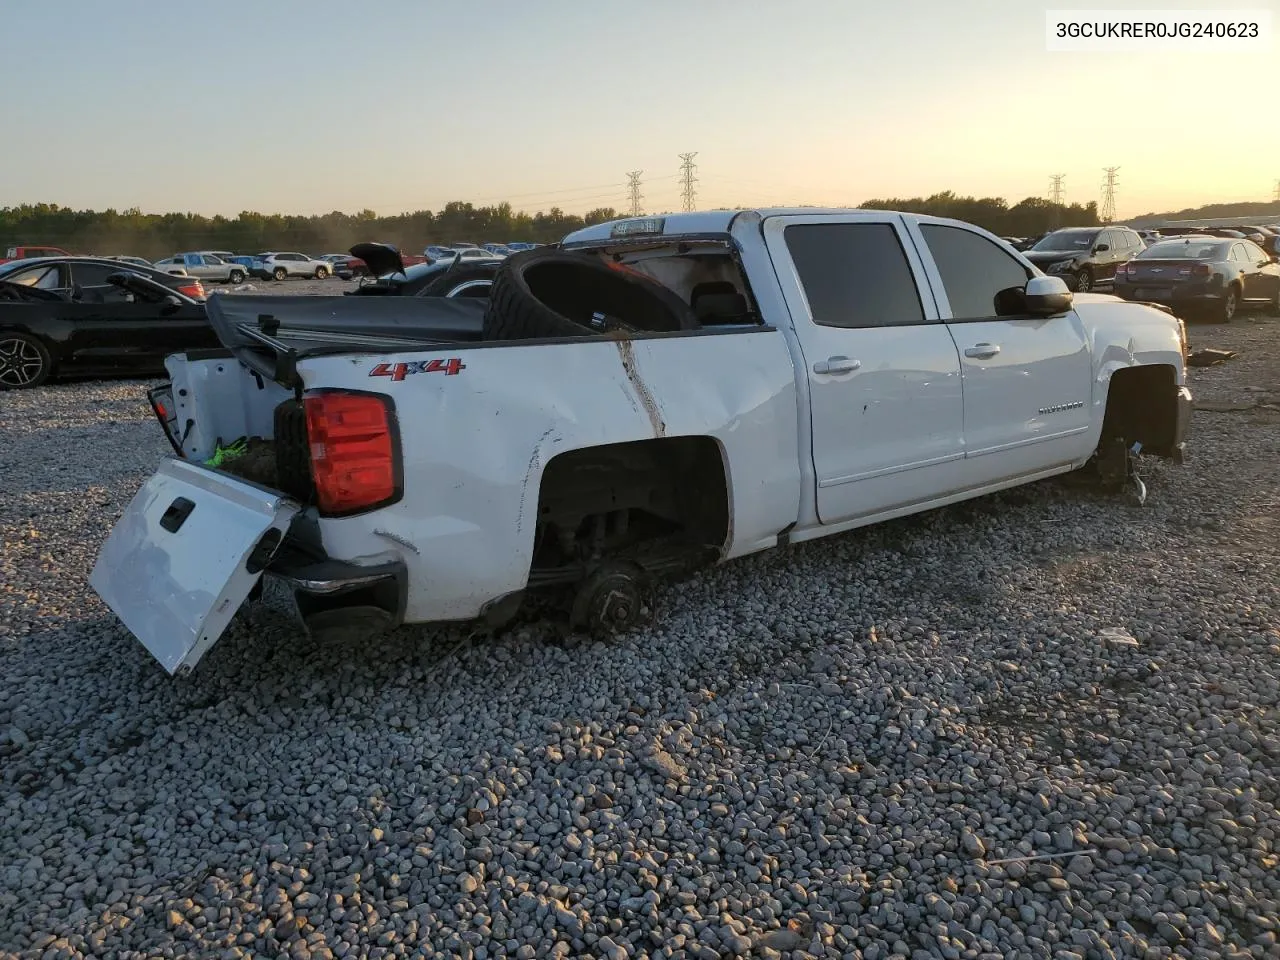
{"x": 1109, "y": 194}
{"x": 633, "y": 191}
{"x": 687, "y": 180}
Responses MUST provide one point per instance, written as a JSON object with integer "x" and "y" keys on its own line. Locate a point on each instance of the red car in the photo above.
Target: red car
{"x": 26, "y": 253}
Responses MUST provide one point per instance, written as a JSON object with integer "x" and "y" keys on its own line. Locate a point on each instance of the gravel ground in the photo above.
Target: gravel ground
{"x": 292, "y": 287}
{"x": 828, "y": 751}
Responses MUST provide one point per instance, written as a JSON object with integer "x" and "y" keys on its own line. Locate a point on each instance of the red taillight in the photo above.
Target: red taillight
{"x": 193, "y": 290}
{"x": 355, "y": 457}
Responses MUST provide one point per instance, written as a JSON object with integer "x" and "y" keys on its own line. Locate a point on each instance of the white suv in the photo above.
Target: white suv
{"x": 278, "y": 266}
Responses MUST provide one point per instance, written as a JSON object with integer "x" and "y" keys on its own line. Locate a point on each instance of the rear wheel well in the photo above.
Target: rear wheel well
{"x": 663, "y": 503}
{"x": 1142, "y": 408}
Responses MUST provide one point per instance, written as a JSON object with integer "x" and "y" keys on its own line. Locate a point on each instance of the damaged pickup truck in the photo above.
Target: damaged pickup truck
{"x": 647, "y": 396}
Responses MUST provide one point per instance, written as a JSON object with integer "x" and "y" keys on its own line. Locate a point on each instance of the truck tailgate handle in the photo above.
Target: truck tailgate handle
{"x": 836, "y": 365}
{"x": 176, "y": 515}
{"x": 981, "y": 351}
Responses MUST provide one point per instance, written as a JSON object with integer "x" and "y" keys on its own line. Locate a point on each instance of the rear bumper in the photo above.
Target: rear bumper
{"x": 1182, "y": 422}
{"x": 1179, "y": 295}
{"x": 338, "y": 593}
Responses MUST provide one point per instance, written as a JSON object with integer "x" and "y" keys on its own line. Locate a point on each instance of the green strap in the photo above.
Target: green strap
{"x": 223, "y": 454}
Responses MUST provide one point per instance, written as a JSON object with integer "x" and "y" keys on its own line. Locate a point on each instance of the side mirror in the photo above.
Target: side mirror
{"x": 1101, "y": 248}
{"x": 1047, "y": 296}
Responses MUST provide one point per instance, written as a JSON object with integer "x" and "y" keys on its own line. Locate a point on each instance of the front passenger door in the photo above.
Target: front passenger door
{"x": 883, "y": 377}
{"x": 1028, "y": 381}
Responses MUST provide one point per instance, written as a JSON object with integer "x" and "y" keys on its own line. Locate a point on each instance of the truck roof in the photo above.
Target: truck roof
{"x": 700, "y": 222}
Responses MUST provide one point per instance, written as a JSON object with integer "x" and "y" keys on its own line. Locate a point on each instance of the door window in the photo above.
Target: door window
{"x": 41, "y": 277}
{"x": 854, "y": 274}
{"x": 973, "y": 270}
{"x": 92, "y": 274}
{"x": 1252, "y": 252}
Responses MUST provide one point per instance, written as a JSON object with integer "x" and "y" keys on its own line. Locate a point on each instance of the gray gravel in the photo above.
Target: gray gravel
{"x": 823, "y": 752}
{"x": 293, "y": 287}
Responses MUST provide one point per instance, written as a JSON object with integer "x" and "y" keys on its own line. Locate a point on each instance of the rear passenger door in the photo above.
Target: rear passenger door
{"x": 1028, "y": 381}
{"x": 1107, "y": 259}
{"x": 1259, "y": 276}
{"x": 886, "y": 410}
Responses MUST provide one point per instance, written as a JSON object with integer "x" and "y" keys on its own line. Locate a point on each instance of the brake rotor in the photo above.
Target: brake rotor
{"x": 610, "y": 599}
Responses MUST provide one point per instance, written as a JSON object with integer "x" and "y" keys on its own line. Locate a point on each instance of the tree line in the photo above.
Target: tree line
{"x": 155, "y": 235}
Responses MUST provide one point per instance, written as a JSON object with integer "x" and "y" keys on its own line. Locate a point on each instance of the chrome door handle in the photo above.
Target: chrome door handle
{"x": 836, "y": 365}
{"x": 981, "y": 351}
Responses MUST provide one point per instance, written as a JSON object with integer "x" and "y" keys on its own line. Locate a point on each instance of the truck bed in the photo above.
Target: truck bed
{"x": 318, "y": 320}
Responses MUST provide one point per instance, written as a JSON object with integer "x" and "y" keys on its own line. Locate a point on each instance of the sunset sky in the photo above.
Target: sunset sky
{"x": 308, "y": 106}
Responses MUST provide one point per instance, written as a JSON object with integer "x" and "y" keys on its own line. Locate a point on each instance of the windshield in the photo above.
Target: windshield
{"x": 1067, "y": 241}
{"x": 1185, "y": 250}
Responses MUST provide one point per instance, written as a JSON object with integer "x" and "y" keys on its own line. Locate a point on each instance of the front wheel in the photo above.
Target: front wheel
{"x": 1084, "y": 281}
{"x": 25, "y": 362}
{"x": 279, "y": 273}
{"x": 321, "y": 273}
{"x": 236, "y": 276}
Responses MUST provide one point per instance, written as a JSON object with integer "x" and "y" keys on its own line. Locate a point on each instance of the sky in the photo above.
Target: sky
{"x": 310, "y": 106}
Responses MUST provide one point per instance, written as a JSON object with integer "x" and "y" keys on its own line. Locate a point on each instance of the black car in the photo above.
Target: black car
{"x": 1205, "y": 275}
{"x": 45, "y": 333}
{"x": 442, "y": 278}
{"x": 87, "y": 276}
{"x": 1085, "y": 257}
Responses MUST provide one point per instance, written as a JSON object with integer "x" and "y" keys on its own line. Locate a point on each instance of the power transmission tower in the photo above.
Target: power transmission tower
{"x": 1109, "y": 194}
{"x": 687, "y": 180}
{"x": 1276, "y": 194}
{"x": 1055, "y": 186}
{"x": 633, "y": 191}
{"x": 1055, "y": 195}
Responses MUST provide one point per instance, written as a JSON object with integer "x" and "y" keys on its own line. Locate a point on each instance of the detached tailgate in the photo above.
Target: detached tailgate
{"x": 184, "y": 556}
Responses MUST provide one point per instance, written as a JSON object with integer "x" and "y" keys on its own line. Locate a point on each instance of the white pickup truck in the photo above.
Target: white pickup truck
{"x": 647, "y": 396}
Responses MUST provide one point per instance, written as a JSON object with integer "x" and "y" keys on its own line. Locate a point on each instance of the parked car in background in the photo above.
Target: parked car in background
{"x": 1222, "y": 232}
{"x": 1085, "y": 257}
{"x": 345, "y": 266}
{"x": 44, "y": 332}
{"x": 442, "y": 278}
{"x": 280, "y": 266}
{"x": 136, "y": 261}
{"x": 475, "y": 255}
{"x": 89, "y": 276}
{"x": 207, "y": 266}
{"x": 1202, "y": 275}
{"x": 1257, "y": 234}
{"x": 518, "y": 245}
{"x": 31, "y": 252}
{"x": 437, "y": 252}
{"x": 498, "y": 249}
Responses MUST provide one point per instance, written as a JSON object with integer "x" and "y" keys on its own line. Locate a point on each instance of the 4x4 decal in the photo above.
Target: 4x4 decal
{"x": 398, "y": 371}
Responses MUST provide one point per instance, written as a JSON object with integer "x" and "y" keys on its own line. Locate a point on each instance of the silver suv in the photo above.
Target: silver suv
{"x": 278, "y": 266}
